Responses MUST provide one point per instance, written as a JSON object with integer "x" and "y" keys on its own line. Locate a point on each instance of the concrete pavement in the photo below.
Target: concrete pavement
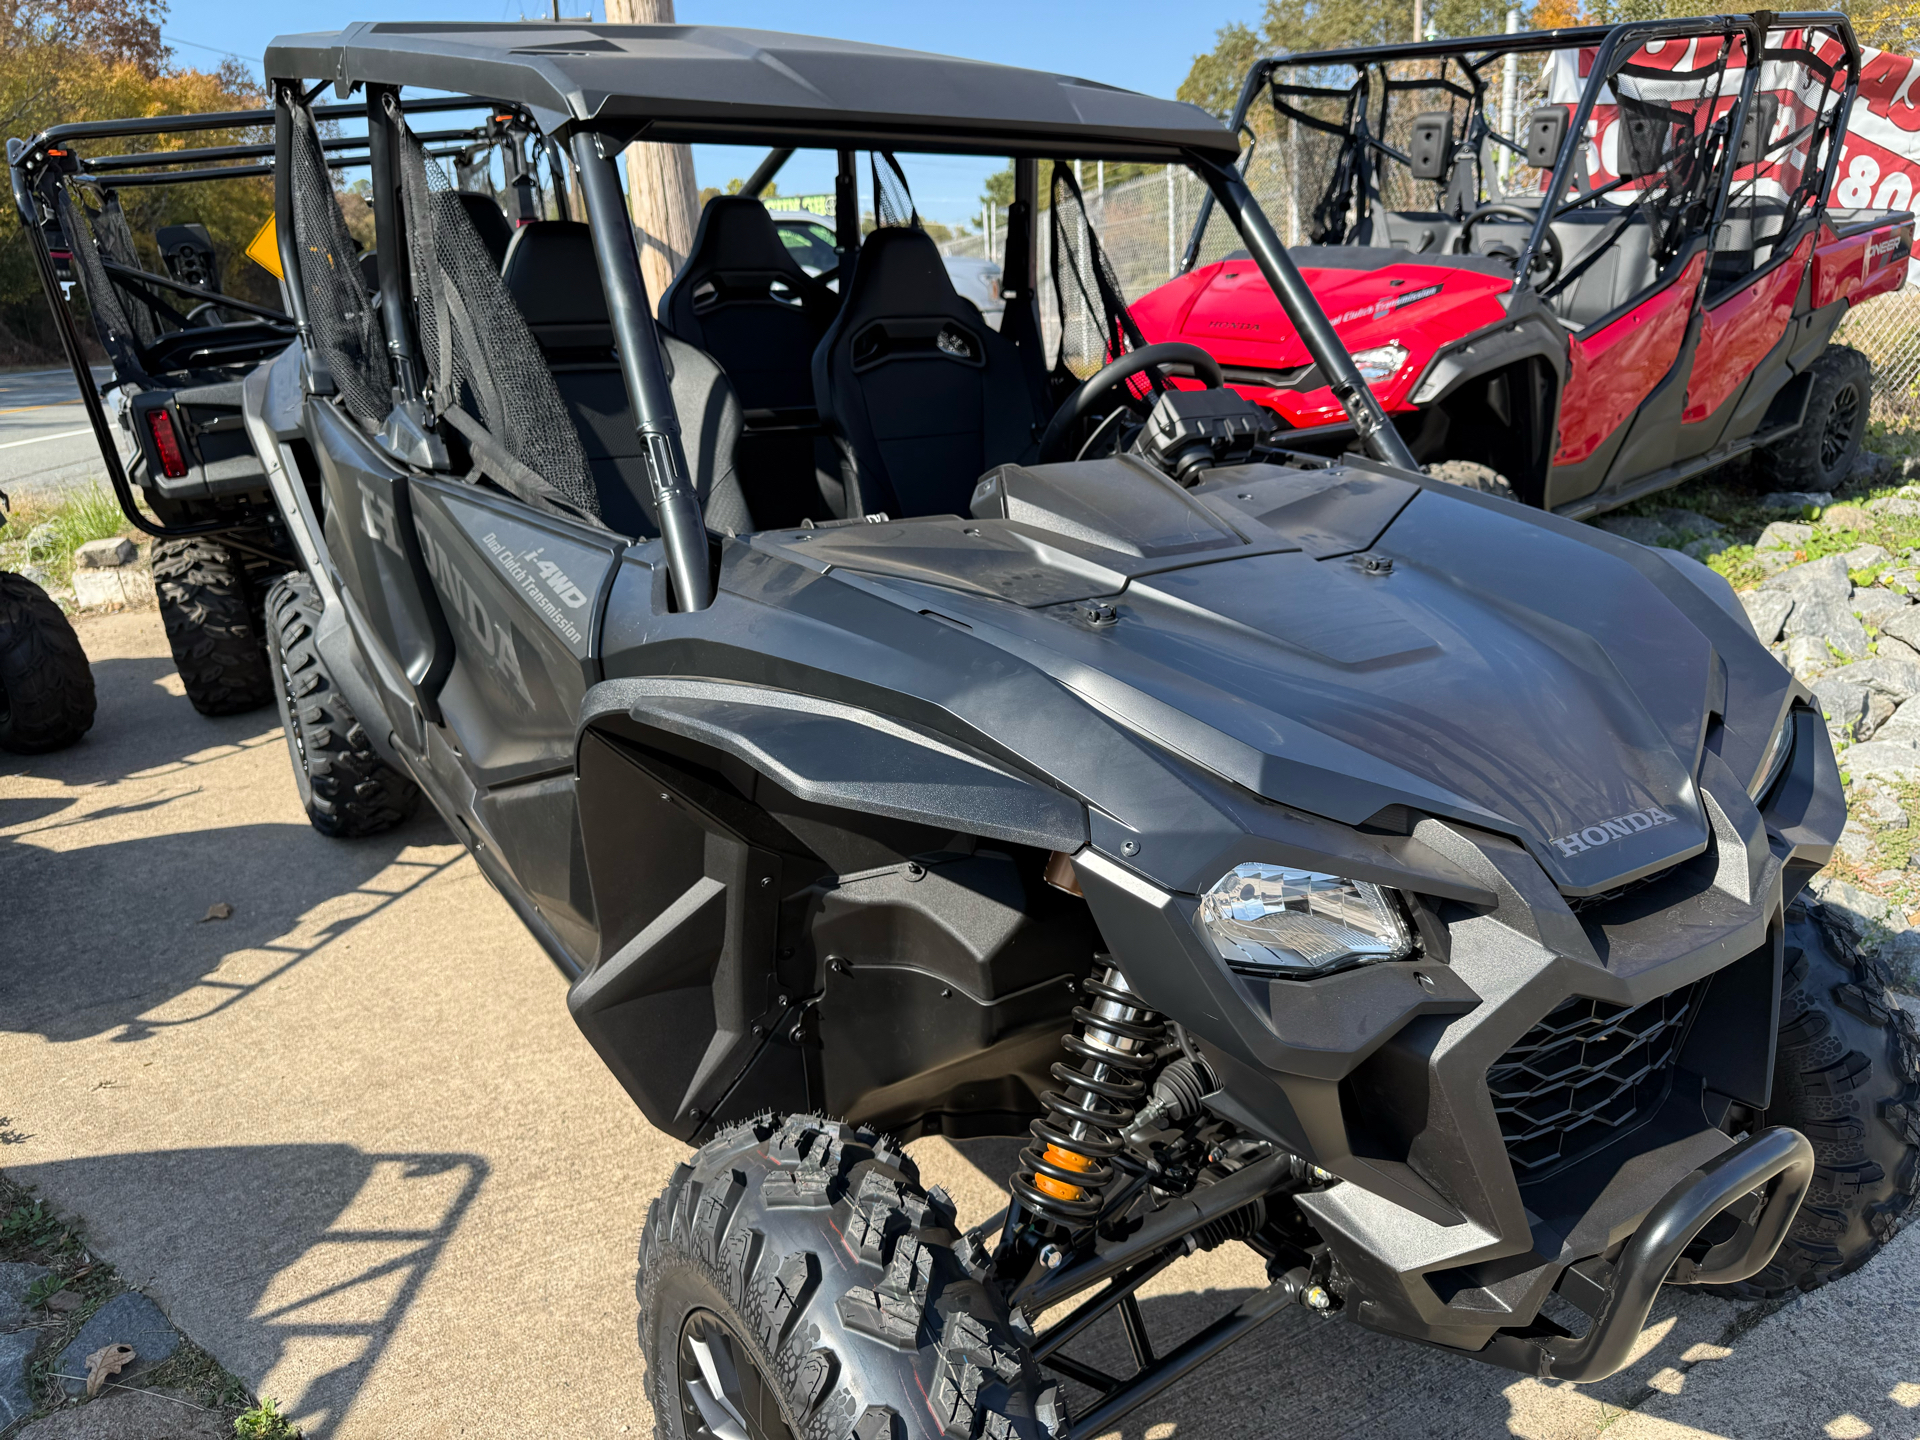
{"x": 45, "y": 441}
{"x": 352, "y": 1143}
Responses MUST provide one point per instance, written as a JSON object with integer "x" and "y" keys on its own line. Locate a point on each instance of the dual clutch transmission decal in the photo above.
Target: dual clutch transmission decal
{"x": 543, "y": 582}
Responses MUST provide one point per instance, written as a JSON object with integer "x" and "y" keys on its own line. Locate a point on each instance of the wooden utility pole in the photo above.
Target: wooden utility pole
{"x": 661, "y": 194}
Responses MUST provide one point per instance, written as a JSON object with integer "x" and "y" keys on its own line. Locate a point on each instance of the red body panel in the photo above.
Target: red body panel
{"x": 1865, "y": 264}
{"x": 1738, "y": 331}
{"x": 1612, "y": 370}
{"x": 1227, "y": 309}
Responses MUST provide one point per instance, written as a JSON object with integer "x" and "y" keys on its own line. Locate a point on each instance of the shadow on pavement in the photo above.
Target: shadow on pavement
{"x": 308, "y": 1254}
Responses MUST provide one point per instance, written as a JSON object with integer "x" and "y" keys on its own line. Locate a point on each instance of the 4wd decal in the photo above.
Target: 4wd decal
{"x": 1386, "y": 305}
{"x": 543, "y": 582}
{"x": 1611, "y": 830}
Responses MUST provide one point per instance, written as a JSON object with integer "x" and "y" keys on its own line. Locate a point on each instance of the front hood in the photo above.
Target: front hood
{"x": 1478, "y": 662}
{"x": 1373, "y": 297}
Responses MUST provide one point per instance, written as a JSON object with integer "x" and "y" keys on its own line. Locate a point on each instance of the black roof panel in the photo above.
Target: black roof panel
{"x": 711, "y": 83}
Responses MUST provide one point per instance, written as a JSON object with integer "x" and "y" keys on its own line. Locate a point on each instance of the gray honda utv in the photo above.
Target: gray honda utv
{"x": 1314, "y": 856}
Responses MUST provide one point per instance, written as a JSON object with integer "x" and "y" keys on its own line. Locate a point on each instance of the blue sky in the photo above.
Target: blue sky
{"x": 1144, "y": 45}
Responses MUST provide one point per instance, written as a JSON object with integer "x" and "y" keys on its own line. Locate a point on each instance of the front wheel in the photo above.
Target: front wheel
{"x": 1844, "y": 1076}
{"x": 795, "y": 1280}
{"x": 346, "y": 789}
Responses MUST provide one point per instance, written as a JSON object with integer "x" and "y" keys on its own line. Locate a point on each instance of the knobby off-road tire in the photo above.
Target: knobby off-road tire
{"x": 206, "y": 604}
{"x": 345, "y": 787}
{"x": 46, "y": 686}
{"x": 1819, "y": 455}
{"x": 799, "y": 1266}
{"x": 1844, "y": 1076}
{"x": 1470, "y": 476}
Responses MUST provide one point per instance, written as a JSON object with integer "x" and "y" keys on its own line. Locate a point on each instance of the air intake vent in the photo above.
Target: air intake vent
{"x": 1584, "y": 1073}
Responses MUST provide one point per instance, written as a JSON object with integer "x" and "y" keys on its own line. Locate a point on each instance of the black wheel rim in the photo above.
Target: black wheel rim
{"x": 1838, "y": 434}
{"x": 723, "y": 1393}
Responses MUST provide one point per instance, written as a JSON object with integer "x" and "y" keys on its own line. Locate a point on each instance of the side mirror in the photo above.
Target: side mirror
{"x": 1432, "y": 146}
{"x": 1546, "y": 133}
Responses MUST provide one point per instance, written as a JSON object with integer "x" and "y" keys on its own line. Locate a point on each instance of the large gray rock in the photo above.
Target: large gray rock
{"x": 1788, "y": 535}
{"x": 16, "y": 1279}
{"x": 1903, "y": 727}
{"x": 16, "y": 1390}
{"x": 1641, "y": 529}
{"x": 1767, "y": 612}
{"x": 1796, "y": 499}
{"x": 1899, "y": 651}
{"x": 1876, "y": 928}
{"x": 1830, "y": 622}
{"x": 1881, "y": 760}
{"x": 1870, "y": 468}
{"x": 1864, "y": 556}
{"x": 1895, "y": 505}
{"x": 1844, "y": 705}
{"x": 1808, "y": 656}
{"x": 1880, "y": 673}
{"x": 130, "y": 1319}
{"x": 1705, "y": 548}
{"x": 1824, "y": 579}
{"x": 1876, "y": 605}
{"x": 1903, "y": 624}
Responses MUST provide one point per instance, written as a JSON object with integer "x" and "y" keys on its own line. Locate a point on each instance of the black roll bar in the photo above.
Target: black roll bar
{"x": 676, "y": 505}
{"x": 28, "y": 206}
{"x": 1304, "y": 313}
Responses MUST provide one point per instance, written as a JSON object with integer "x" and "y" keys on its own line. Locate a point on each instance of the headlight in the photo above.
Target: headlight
{"x": 1777, "y": 759}
{"x": 1381, "y": 363}
{"x": 1268, "y": 920}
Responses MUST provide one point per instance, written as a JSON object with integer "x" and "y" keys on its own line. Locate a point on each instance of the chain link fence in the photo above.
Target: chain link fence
{"x": 1144, "y": 223}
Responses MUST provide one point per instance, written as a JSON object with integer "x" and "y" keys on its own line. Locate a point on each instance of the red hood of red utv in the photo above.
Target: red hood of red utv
{"x": 1227, "y": 309}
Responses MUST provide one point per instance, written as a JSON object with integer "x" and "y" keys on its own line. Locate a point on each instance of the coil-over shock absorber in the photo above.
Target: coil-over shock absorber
{"x": 1061, "y": 1178}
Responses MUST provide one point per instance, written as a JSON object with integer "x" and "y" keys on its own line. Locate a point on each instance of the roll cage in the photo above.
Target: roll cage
{"x": 591, "y": 90}
{"x": 1681, "y": 164}
{"x": 158, "y": 327}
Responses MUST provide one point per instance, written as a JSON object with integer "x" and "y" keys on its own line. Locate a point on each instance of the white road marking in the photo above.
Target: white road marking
{"x": 62, "y": 435}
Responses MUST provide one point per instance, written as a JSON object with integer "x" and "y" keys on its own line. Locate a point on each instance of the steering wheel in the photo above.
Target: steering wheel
{"x": 1547, "y": 262}
{"x": 1055, "y": 442}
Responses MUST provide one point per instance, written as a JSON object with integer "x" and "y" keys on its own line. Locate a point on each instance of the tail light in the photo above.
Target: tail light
{"x": 166, "y": 444}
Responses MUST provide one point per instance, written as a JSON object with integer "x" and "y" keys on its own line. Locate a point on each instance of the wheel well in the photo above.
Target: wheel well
{"x": 1503, "y": 420}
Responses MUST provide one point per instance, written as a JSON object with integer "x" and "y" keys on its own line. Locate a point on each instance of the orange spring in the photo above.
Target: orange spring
{"x": 1060, "y": 1190}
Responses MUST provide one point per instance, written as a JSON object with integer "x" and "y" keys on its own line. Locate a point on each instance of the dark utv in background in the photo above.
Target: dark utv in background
{"x": 1429, "y": 869}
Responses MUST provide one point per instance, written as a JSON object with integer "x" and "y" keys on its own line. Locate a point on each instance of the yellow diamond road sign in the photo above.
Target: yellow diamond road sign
{"x": 264, "y": 249}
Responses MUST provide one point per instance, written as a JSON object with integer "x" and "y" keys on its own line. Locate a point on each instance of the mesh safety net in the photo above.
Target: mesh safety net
{"x": 344, "y": 318}
{"x": 110, "y": 317}
{"x": 1090, "y": 308}
{"x": 893, "y": 201}
{"x": 485, "y": 371}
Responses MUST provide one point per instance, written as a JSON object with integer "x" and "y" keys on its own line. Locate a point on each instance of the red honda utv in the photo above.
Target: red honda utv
{"x": 1583, "y": 264}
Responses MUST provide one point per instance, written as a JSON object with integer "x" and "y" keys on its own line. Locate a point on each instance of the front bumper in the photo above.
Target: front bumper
{"x": 1442, "y": 1228}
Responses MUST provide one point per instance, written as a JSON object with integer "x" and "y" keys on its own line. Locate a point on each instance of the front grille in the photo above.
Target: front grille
{"x": 1585, "y": 1072}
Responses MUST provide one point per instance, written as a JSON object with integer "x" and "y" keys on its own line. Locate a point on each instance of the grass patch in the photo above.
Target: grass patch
{"x": 43, "y": 531}
{"x": 32, "y": 1231}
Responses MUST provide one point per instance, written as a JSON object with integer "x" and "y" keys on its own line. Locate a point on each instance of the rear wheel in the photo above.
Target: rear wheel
{"x": 1844, "y": 1076}
{"x": 346, "y": 789}
{"x": 1819, "y": 456}
{"x": 796, "y": 1281}
{"x": 46, "y": 686}
{"x": 1470, "y": 476}
{"x": 207, "y": 606}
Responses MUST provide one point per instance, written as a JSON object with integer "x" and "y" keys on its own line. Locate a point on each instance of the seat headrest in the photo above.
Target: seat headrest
{"x": 551, "y": 274}
{"x": 900, "y": 272}
{"x": 738, "y": 234}
{"x": 490, "y": 223}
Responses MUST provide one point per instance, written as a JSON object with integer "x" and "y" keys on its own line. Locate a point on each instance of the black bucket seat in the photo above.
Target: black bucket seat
{"x": 743, "y": 299}
{"x": 550, "y": 272}
{"x": 919, "y": 395}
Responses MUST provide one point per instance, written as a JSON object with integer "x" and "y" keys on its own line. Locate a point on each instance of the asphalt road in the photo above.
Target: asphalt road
{"x": 45, "y": 441}
{"x": 351, "y": 1142}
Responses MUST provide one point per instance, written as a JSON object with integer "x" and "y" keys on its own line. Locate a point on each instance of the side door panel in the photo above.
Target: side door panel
{"x": 523, "y": 592}
{"x": 1737, "y": 333}
{"x": 366, "y": 505}
{"x": 1611, "y": 371}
